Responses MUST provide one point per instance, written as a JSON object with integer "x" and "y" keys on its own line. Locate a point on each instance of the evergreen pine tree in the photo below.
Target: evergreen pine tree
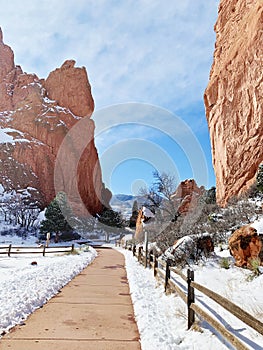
{"x": 135, "y": 207}
{"x": 210, "y": 196}
{"x": 111, "y": 218}
{"x": 55, "y": 221}
{"x": 134, "y": 215}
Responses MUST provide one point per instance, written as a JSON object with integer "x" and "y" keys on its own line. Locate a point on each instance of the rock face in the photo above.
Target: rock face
{"x": 35, "y": 117}
{"x": 187, "y": 195}
{"x": 63, "y": 85}
{"x": 245, "y": 245}
{"x": 234, "y": 97}
{"x": 185, "y": 199}
{"x": 145, "y": 217}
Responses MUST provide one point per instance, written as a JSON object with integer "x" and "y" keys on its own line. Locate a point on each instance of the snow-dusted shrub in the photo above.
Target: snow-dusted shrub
{"x": 188, "y": 249}
{"x": 225, "y": 263}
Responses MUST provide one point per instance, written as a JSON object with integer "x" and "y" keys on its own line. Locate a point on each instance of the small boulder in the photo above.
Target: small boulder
{"x": 245, "y": 245}
{"x": 188, "y": 249}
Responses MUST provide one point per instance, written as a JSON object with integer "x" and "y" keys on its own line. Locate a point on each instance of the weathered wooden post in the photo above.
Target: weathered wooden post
{"x": 72, "y": 248}
{"x": 146, "y": 249}
{"x": 9, "y": 250}
{"x": 44, "y": 250}
{"x": 167, "y": 274}
{"x": 47, "y": 239}
{"x": 190, "y": 298}
{"x": 155, "y": 265}
{"x": 140, "y": 254}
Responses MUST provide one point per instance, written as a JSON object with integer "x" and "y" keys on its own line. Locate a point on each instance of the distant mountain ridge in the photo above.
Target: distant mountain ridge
{"x": 124, "y": 197}
{"x": 123, "y": 203}
{"x": 185, "y": 198}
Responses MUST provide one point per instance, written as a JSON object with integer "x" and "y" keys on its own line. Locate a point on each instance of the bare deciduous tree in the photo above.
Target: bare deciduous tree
{"x": 207, "y": 217}
{"x": 19, "y": 210}
{"x": 159, "y": 197}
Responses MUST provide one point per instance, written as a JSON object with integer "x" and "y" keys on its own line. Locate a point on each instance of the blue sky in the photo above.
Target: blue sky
{"x": 148, "y": 63}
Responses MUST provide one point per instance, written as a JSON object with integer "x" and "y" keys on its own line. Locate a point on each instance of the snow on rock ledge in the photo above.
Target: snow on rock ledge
{"x": 44, "y": 111}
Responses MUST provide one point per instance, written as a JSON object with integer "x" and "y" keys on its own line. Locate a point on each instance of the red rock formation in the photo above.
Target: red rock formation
{"x": 63, "y": 85}
{"x": 139, "y": 226}
{"x": 145, "y": 216}
{"x": 187, "y": 195}
{"x": 186, "y": 198}
{"x": 234, "y": 97}
{"x": 38, "y": 114}
{"x": 245, "y": 245}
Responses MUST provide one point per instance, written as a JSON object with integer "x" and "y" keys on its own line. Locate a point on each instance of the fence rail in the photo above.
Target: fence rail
{"x": 168, "y": 274}
{"x": 43, "y": 250}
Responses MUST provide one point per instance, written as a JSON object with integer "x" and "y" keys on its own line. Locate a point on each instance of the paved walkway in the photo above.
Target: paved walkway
{"x": 93, "y": 312}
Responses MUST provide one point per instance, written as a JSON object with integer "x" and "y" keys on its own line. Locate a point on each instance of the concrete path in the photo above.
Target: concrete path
{"x": 93, "y": 312}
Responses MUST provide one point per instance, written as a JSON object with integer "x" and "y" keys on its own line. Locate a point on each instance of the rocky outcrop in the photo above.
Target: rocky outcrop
{"x": 63, "y": 85}
{"x": 234, "y": 97}
{"x": 187, "y": 195}
{"x": 35, "y": 117}
{"x": 245, "y": 245}
{"x": 145, "y": 217}
{"x": 185, "y": 199}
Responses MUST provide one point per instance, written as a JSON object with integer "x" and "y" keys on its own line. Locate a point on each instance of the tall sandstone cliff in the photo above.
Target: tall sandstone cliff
{"x": 35, "y": 117}
{"x": 234, "y": 96}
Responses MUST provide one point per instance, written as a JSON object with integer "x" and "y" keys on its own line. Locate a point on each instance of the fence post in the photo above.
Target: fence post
{"x": 146, "y": 250}
{"x": 140, "y": 254}
{"x": 190, "y": 298}
{"x": 167, "y": 275}
{"x": 9, "y": 250}
{"x": 44, "y": 250}
{"x": 134, "y": 250}
{"x": 72, "y": 248}
{"x": 155, "y": 265}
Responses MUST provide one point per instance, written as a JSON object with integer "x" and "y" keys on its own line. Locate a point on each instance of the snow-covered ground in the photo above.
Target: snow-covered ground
{"x": 18, "y": 241}
{"x": 162, "y": 319}
{"x": 26, "y": 287}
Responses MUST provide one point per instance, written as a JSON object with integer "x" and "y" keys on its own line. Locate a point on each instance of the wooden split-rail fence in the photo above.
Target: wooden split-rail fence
{"x": 172, "y": 278}
{"x": 43, "y": 250}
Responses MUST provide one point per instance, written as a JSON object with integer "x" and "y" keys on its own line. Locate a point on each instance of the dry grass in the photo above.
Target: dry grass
{"x": 196, "y": 327}
{"x": 181, "y": 313}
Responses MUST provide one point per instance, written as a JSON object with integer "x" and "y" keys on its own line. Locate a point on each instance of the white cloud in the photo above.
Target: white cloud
{"x": 146, "y": 51}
